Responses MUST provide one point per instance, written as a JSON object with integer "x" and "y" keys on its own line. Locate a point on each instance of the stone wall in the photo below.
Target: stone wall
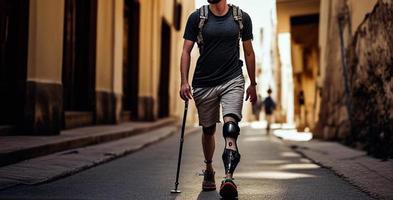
{"x": 333, "y": 116}
{"x": 362, "y": 116}
{"x": 371, "y": 80}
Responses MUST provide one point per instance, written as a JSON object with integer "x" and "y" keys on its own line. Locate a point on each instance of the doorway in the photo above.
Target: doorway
{"x": 305, "y": 54}
{"x": 163, "y": 90}
{"x": 131, "y": 59}
{"x": 13, "y": 59}
{"x": 79, "y": 55}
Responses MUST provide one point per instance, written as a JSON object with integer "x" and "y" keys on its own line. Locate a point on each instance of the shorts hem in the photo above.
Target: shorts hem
{"x": 208, "y": 124}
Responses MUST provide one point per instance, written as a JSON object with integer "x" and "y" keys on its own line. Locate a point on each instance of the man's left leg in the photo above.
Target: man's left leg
{"x": 232, "y": 103}
{"x": 230, "y": 156}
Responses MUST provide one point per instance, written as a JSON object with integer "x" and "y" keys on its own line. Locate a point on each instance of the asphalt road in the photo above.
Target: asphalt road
{"x": 268, "y": 170}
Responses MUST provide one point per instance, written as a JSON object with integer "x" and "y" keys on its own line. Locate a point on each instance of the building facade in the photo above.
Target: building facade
{"x": 71, "y": 63}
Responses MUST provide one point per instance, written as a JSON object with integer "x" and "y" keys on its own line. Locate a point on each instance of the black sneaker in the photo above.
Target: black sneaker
{"x": 209, "y": 183}
{"x": 228, "y": 189}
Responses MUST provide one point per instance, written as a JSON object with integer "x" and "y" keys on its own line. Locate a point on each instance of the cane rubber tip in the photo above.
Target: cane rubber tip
{"x": 175, "y": 191}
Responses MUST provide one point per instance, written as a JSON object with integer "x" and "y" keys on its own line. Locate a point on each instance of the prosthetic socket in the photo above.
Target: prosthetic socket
{"x": 230, "y": 157}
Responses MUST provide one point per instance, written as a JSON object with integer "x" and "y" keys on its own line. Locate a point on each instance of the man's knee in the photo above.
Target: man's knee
{"x": 231, "y": 130}
{"x": 209, "y": 130}
{"x": 231, "y": 117}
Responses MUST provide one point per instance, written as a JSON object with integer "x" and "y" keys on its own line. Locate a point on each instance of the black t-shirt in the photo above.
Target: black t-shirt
{"x": 220, "y": 60}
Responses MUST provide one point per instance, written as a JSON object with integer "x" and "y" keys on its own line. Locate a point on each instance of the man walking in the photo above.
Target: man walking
{"x": 218, "y": 79}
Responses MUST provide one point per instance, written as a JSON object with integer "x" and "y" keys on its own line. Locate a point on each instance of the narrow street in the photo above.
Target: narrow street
{"x": 92, "y": 94}
{"x": 268, "y": 170}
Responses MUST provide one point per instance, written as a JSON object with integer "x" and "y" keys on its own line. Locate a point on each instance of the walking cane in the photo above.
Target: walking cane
{"x": 181, "y": 148}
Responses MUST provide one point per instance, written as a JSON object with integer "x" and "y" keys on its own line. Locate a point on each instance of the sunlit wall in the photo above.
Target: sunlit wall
{"x": 284, "y": 43}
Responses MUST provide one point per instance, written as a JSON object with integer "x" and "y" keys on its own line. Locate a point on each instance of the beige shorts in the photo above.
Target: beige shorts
{"x": 207, "y": 100}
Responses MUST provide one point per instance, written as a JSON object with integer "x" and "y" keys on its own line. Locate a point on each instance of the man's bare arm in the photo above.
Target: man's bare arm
{"x": 250, "y": 63}
{"x": 185, "y": 89}
{"x": 250, "y": 60}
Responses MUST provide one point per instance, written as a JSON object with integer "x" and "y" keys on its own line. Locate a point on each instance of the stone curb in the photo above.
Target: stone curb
{"x": 370, "y": 175}
{"x": 28, "y": 152}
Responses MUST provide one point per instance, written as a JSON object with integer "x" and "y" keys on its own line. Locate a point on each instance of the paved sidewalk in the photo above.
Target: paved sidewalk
{"x": 14, "y": 149}
{"x": 369, "y": 174}
{"x": 65, "y": 163}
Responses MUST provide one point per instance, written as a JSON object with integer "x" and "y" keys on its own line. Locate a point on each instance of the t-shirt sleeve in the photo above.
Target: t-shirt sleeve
{"x": 247, "y": 27}
{"x": 191, "y": 31}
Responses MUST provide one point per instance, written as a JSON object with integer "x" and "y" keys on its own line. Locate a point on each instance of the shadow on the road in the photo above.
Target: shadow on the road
{"x": 208, "y": 195}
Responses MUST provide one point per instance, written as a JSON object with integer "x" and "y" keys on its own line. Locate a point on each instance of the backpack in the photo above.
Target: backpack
{"x": 203, "y": 17}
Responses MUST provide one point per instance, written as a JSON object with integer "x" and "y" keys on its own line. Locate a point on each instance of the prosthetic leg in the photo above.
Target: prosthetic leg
{"x": 230, "y": 157}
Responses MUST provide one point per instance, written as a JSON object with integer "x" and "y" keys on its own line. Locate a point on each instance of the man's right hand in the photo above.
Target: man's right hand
{"x": 185, "y": 91}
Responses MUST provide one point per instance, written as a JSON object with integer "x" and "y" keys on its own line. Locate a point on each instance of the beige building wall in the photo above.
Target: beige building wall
{"x": 358, "y": 8}
{"x": 286, "y": 10}
{"x": 176, "y": 103}
{"x": 156, "y": 51}
{"x": 167, "y": 10}
{"x": 45, "y": 47}
{"x": 105, "y": 47}
{"x": 42, "y": 110}
{"x": 148, "y": 41}
{"x": 149, "y": 65}
{"x": 152, "y": 14}
{"x": 176, "y": 44}
{"x": 109, "y": 59}
{"x": 109, "y": 52}
{"x": 118, "y": 47}
{"x": 45, "y": 58}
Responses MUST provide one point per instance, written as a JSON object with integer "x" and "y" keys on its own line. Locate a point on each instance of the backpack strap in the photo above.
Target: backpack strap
{"x": 203, "y": 15}
{"x": 238, "y": 16}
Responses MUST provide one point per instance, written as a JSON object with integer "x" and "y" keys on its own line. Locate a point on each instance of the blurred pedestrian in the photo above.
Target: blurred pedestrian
{"x": 269, "y": 106}
{"x": 302, "y": 108}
